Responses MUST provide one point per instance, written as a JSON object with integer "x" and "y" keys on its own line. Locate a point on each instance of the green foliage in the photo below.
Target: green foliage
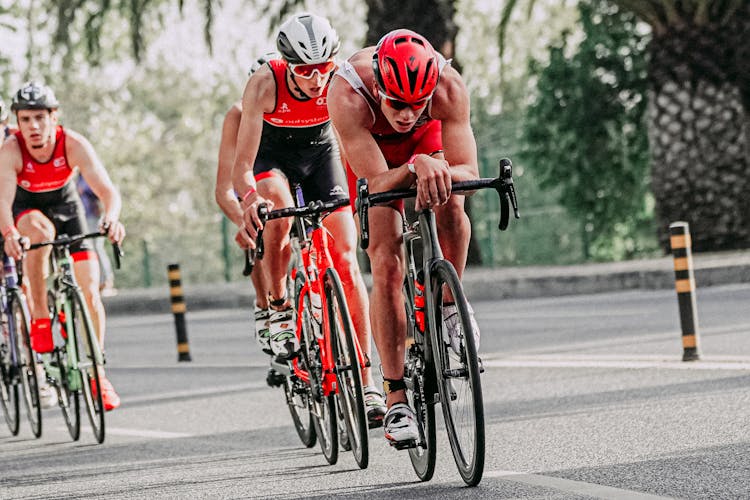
{"x": 158, "y": 137}
{"x": 585, "y": 131}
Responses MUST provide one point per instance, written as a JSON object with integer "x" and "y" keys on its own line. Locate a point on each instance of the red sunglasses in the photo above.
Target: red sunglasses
{"x": 399, "y": 105}
{"x": 308, "y": 70}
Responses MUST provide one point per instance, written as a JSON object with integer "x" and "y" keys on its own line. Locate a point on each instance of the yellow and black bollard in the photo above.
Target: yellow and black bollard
{"x": 178, "y": 309}
{"x": 679, "y": 237}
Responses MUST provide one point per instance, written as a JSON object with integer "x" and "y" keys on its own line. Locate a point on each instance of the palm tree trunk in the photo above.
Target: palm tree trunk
{"x": 700, "y": 133}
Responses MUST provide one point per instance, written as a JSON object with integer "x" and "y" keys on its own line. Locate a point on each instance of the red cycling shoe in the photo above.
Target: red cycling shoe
{"x": 41, "y": 335}
{"x": 110, "y": 399}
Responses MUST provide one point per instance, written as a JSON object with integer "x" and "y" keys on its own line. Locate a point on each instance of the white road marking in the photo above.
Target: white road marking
{"x": 605, "y": 361}
{"x": 119, "y": 431}
{"x": 570, "y": 486}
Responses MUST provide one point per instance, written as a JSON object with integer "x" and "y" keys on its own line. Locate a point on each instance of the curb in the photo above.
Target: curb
{"x": 480, "y": 283}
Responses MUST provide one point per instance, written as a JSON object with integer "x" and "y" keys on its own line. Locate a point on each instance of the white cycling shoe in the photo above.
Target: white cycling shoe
{"x": 400, "y": 426}
{"x": 453, "y": 331}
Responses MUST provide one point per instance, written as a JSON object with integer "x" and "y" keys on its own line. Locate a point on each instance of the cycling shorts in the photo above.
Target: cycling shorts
{"x": 317, "y": 169}
{"x": 398, "y": 148}
{"x": 63, "y": 207}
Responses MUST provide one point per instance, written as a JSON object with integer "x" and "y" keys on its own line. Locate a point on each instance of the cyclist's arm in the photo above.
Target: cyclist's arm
{"x": 81, "y": 154}
{"x": 10, "y": 164}
{"x": 259, "y": 96}
{"x": 351, "y": 119}
{"x": 224, "y": 193}
{"x": 452, "y": 107}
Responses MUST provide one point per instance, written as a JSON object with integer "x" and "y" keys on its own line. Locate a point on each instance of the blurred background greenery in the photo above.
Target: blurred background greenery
{"x": 566, "y": 89}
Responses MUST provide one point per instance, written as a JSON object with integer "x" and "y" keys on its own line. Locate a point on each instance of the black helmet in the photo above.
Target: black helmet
{"x": 34, "y": 95}
{"x": 268, "y": 56}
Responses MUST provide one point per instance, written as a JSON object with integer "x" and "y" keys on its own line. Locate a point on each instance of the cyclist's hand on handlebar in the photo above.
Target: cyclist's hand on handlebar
{"x": 242, "y": 238}
{"x": 250, "y": 216}
{"x": 15, "y": 244}
{"x": 113, "y": 228}
{"x": 433, "y": 181}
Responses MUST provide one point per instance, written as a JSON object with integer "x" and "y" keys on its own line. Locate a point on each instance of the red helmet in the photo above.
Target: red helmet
{"x": 405, "y": 66}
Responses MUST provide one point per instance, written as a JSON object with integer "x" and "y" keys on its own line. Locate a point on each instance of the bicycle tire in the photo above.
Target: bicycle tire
{"x": 89, "y": 362}
{"x": 348, "y": 370}
{"x": 297, "y": 393}
{"x": 458, "y": 378}
{"x": 8, "y": 386}
{"x": 66, "y": 397}
{"x": 322, "y": 407}
{"x": 419, "y": 377}
{"x": 26, "y": 362}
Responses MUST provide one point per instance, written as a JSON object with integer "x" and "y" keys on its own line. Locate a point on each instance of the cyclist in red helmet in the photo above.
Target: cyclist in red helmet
{"x": 402, "y": 116}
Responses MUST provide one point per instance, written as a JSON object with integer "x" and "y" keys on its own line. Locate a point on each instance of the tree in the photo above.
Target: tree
{"x": 93, "y": 13}
{"x": 698, "y": 116}
{"x": 585, "y": 130}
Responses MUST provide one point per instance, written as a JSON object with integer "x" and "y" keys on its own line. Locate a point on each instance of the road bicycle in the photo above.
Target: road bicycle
{"x": 72, "y": 368}
{"x": 433, "y": 369}
{"x": 17, "y": 362}
{"x": 323, "y": 384}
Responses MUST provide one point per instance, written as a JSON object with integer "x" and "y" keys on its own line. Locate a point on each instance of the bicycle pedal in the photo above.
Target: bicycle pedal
{"x": 481, "y": 365}
{"x": 274, "y": 379}
{"x": 403, "y": 445}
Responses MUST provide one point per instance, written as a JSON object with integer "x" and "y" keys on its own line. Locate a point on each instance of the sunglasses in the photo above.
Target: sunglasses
{"x": 399, "y": 105}
{"x": 308, "y": 70}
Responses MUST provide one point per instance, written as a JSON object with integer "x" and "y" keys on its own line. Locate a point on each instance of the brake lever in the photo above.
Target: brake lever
{"x": 118, "y": 253}
{"x": 259, "y": 247}
{"x": 249, "y": 263}
{"x": 362, "y": 204}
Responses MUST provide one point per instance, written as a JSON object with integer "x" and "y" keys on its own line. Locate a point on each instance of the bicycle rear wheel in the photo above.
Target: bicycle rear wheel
{"x": 420, "y": 392}
{"x": 348, "y": 369}
{"x": 458, "y": 377}
{"x": 297, "y": 392}
{"x": 9, "y": 373}
{"x": 26, "y": 361}
{"x": 322, "y": 407}
{"x": 89, "y": 362}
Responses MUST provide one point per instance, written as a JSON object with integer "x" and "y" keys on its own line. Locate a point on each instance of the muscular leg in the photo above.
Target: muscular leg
{"x": 454, "y": 232}
{"x": 37, "y": 227}
{"x": 387, "y": 314}
{"x": 343, "y": 251}
{"x": 259, "y": 283}
{"x": 87, "y": 276}
{"x": 276, "y": 236}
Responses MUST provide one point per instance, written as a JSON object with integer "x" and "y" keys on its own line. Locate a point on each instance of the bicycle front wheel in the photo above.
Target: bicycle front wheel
{"x": 89, "y": 363}
{"x": 26, "y": 361}
{"x": 457, "y": 374}
{"x": 9, "y": 373}
{"x": 348, "y": 369}
{"x": 66, "y": 395}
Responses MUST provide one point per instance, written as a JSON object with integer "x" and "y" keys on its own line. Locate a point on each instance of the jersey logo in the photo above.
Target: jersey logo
{"x": 59, "y": 162}
{"x": 322, "y": 101}
{"x": 25, "y": 184}
{"x": 336, "y": 190}
{"x": 29, "y": 167}
{"x": 284, "y": 108}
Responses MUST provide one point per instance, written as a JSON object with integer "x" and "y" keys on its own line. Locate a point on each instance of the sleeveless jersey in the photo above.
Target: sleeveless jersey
{"x": 380, "y": 127}
{"x": 295, "y": 123}
{"x": 39, "y": 177}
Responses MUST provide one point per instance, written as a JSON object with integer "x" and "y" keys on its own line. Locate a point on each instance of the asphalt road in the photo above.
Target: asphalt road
{"x": 585, "y": 397}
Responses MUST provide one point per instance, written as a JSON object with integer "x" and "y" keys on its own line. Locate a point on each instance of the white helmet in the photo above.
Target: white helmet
{"x": 307, "y": 39}
{"x": 268, "y": 56}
